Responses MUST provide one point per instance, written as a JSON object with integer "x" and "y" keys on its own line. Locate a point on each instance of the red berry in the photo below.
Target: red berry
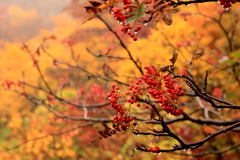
{"x": 156, "y": 149}
{"x": 134, "y": 123}
{"x": 149, "y": 149}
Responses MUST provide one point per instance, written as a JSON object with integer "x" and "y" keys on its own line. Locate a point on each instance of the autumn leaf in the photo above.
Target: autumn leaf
{"x": 174, "y": 57}
{"x": 104, "y": 133}
{"x": 153, "y": 114}
{"x": 106, "y": 127}
{"x": 103, "y": 6}
{"x": 159, "y": 4}
{"x": 92, "y": 10}
{"x": 107, "y": 132}
{"x": 112, "y": 132}
{"x": 37, "y": 52}
{"x": 170, "y": 11}
{"x": 111, "y": 3}
{"x": 163, "y": 5}
{"x": 167, "y": 19}
{"x": 197, "y": 54}
{"x": 156, "y": 14}
{"x": 88, "y": 19}
{"x": 116, "y": 127}
{"x": 53, "y": 37}
{"x": 95, "y": 3}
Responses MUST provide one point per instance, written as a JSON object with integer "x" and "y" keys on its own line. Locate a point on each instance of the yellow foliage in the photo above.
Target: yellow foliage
{"x": 15, "y": 122}
{"x": 18, "y": 12}
{"x": 153, "y": 50}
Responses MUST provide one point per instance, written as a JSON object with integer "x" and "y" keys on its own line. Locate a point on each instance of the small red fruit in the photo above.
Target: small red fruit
{"x": 156, "y": 149}
{"x": 146, "y": 106}
{"x": 149, "y": 149}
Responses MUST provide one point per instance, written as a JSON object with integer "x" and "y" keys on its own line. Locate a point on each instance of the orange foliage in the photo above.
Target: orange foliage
{"x": 43, "y": 134}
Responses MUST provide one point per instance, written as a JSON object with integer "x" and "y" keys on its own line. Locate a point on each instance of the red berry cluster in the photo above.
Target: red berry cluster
{"x": 185, "y": 15}
{"x": 71, "y": 42}
{"x": 134, "y": 91}
{"x": 226, "y": 4}
{"x": 167, "y": 95}
{"x": 127, "y": 29}
{"x": 186, "y": 43}
{"x": 163, "y": 88}
{"x": 19, "y": 84}
{"x": 51, "y": 99}
{"x": 174, "y": 92}
{"x": 121, "y": 17}
{"x": 9, "y": 83}
{"x": 155, "y": 149}
{"x": 55, "y": 62}
{"x": 160, "y": 87}
{"x": 114, "y": 99}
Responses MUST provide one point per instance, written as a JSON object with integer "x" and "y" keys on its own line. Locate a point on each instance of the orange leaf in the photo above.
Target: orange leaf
{"x": 103, "y": 6}
{"x": 88, "y": 19}
{"x": 111, "y": 3}
{"x": 170, "y": 11}
{"x": 93, "y": 11}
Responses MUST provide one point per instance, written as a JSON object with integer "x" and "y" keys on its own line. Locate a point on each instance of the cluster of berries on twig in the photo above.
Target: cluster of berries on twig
{"x": 153, "y": 86}
{"x": 125, "y": 17}
{"x": 226, "y": 4}
{"x": 155, "y": 149}
{"x": 164, "y": 89}
{"x": 115, "y": 100}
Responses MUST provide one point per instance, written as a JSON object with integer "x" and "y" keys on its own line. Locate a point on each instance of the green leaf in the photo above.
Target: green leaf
{"x": 133, "y": 13}
{"x": 25, "y": 122}
{"x": 236, "y": 54}
{"x": 229, "y": 61}
{"x": 141, "y": 11}
{"x": 131, "y": 19}
{"x": 5, "y": 132}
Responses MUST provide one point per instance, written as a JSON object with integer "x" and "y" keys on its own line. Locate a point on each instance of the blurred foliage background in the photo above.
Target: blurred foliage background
{"x": 53, "y": 138}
